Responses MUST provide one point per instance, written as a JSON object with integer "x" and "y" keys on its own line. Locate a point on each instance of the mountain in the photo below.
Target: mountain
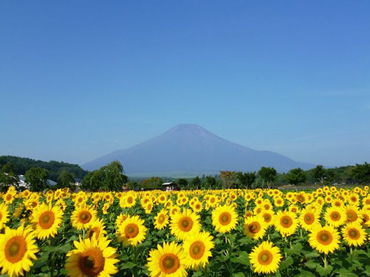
{"x": 188, "y": 149}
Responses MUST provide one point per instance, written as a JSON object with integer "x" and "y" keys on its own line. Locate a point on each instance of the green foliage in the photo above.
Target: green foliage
{"x": 66, "y": 180}
{"x": 296, "y": 176}
{"x": 37, "y": 178}
{"x": 268, "y": 174}
{"x": 183, "y": 183}
{"x": 246, "y": 179}
{"x": 319, "y": 174}
{"x": 361, "y": 173}
{"x": 196, "y": 182}
{"x": 107, "y": 178}
{"x": 152, "y": 183}
{"x": 53, "y": 167}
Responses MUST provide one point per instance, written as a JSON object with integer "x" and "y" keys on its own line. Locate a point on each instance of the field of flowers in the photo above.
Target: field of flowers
{"x": 324, "y": 232}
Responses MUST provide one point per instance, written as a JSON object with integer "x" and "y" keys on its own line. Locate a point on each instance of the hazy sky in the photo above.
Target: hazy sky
{"x": 79, "y": 79}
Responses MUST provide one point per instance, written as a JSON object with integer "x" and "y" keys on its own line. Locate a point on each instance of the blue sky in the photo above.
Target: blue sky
{"x": 79, "y": 79}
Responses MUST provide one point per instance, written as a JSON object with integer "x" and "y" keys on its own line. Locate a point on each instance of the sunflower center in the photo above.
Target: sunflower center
{"x": 161, "y": 219}
{"x": 15, "y": 249}
{"x": 169, "y": 263}
{"x": 225, "y": 218}
{"x": 85, "y": 217}
{"x": 265, "y": 257}
{"x": 9, "y": 197}
{"x": 267, "y": 217}
{"x": 131, "y": 230}
{"x": 351, "y": 216}
{"x": 286, "y": 221}
{"x": 335, "y": 216}
{"x": 197, "y": 250}
{"x": 185, "y": 224}
{"x": 354, "y": 234}
{"x": 92, "y": 262}
{"x": 254, "y": 227}
{"x": 129, "y": 200}
{"x": 324, "y": 237}
{"x": 46, "y": 220}
{"x": 309, "y": 218}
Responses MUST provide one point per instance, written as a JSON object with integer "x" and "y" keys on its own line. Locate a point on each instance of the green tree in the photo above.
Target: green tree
{"x": 152, "y": 183}
{"x": 228, "y": 178}
{"x": 196, "y": 182}
{"x": 319, "y": 174}
{"x": 183, "y": 183}
{"x": 246, "y": 179}
{"x": 361, "y": 173}
{"x": 114, "y": 179}
{"x": 66, "y": 180}
{"x": 90, "y": 181}
{"x": 268, "y": 174}
{"x": 210, "y": 182}
{"x": 8, "y": 176}
{"x": 296, "y": 176}
{"x": 37, "y": 178}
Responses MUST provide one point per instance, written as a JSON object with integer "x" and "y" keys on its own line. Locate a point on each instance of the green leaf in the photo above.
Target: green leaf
{"x": 346, "y": 273}
{"x": 63, "y": 249}
{"x": 286, "y": 263}
{"x": 312, "y": 254}
{"x": 311, "y": 264}
{"x": 127, "y": 265}
{"x": 239, "y": 274}
{"x": 243, "y": 258}
{"x": 323, "y": 271}
{"x": 197, "y": 274}
{"x": 305, "y": 273}
{"x": 296, "y": 249}
{"x": 244, "y": 241}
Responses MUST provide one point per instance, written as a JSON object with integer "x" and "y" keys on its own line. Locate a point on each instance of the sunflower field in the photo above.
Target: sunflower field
{"x": 323, "y": 232}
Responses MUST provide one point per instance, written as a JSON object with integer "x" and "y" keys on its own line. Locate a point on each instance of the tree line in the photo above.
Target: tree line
{"x": 112, "y": 177}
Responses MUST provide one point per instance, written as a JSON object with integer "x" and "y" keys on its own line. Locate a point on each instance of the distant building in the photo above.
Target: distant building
{"x": 170, "y": 186}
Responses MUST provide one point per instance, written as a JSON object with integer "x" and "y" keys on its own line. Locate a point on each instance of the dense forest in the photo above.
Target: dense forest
{"x": 21, "y": 165}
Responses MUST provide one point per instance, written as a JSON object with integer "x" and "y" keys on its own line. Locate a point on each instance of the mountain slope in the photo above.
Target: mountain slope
{"x": 191, "y": 149}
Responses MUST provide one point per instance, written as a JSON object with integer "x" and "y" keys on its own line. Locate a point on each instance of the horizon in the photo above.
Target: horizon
{"x": 80, "y": 80}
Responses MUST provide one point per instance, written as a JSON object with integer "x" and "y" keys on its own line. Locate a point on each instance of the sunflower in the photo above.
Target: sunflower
{"x": 268, "y": 217}
{"x": 132, "y": 231}
{"x": 4, "y": 215}
{"x": 335, "y": 216}
{"x": 354, "y": 234}
{"x": 324, "y": 239}
{"x": 169, "y": 260}
{"x": 353, "y": 214}
{"x": 224, "y": 219}
{"x": 365, "y": 217}
{"x": 91, "y": 257}
{"x": 198, "y": 249}
{"x": 265, "y": 258}
{"x": 97, "y": 229}
{"x": 120, "y": 219}
{"x": 161, "y": 220}
{"x": 255, "y": 227}
{"x": 279, "y": 202}
{"x": 83, "y": 216}
{"x": 47, "y": 220}
{"x": 17, "y": 248}
{"x": 308, "y": 219}
{"x": 286, "y": 223}
{"x": 9, "y": 196}
{"x": 184, "y": 223}
{"x": 174, "y": 210}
